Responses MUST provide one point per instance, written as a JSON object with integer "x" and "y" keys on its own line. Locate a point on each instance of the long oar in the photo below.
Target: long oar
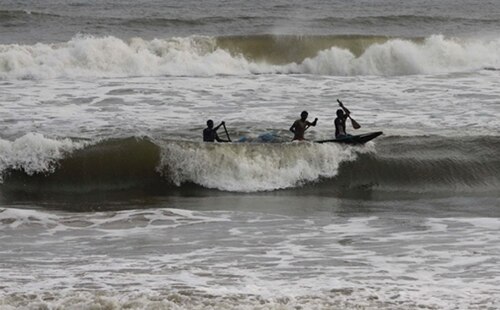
{"x": 355, "y": 124}
{"x": 227, "y": 134}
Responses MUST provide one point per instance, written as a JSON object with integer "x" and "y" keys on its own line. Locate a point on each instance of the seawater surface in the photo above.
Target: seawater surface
{"x": 109, "y": 199}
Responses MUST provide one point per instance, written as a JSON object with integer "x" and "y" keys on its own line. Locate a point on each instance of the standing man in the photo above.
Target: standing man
{"x": 210, "y": 133}
{"x": 300, "y": 126}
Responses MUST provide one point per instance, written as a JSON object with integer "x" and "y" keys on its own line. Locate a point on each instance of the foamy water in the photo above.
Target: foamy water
{"x": 462, "y": 104}
{"x": 245, "y": 168}
{"x": 171, "y": 258}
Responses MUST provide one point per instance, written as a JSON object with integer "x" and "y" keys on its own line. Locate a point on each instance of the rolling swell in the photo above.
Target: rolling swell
{"x": 427, "y": 164}
{"x": 106, "y": 166}
{"x": 400, "y": 164}
{"x": 285, "y": 49}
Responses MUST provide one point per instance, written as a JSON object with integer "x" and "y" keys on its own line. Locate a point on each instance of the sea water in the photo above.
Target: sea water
{"x": 109, "y": 199}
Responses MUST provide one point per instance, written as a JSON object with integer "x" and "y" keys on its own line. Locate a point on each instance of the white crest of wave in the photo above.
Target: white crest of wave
{"x": 252, "y": 167}
{"x": 34, "y": 153}
{"x": 434, "y": 55}
{"x": 88, "y": 56}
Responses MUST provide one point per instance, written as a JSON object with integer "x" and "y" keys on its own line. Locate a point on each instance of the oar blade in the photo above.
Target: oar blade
{"x": 355, "y": 124}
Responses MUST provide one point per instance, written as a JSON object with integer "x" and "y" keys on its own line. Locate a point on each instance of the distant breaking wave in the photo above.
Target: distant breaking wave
{"x": 87, "y": 56}
{"x": 37, "y": 164}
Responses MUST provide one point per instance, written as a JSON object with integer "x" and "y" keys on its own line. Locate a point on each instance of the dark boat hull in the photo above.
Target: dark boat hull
{"x": 358, "y": 139}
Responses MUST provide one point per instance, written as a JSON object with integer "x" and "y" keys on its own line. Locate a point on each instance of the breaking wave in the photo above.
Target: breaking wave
{"x": 88, "y": 56}
{"x": 34, "y": 163}
{"x": 33, "y": 153}
{"x": 137, "y": 162}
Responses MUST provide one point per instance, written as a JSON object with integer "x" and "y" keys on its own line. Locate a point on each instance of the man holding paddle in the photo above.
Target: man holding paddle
{"x": 210, "y": 133}
{"x": 300, "y": 126}
{"x": 342, "y": 115}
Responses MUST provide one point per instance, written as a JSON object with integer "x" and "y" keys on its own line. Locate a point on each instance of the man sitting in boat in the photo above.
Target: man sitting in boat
{"x": 300, "y": 126}
{"x": 210, "y": 133}
{"x": 340, "y": 131}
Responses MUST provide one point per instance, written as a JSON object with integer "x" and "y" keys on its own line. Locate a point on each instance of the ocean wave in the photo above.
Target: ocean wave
{"x": 407, "y": 164}
{"x": 33, "y": 153}
{"x": 66, "y": 166}
{"x": 429, "y": 164}
{"x": 88, "y": 56}
{"x": 138, "y": 162}
{"x": 252, "y": 167}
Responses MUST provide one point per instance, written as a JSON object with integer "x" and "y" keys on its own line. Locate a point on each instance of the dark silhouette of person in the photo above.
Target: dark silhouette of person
{"x": 300, "y": 126}
{"x": 342, "y": 115}
{"x": 210, "y": 133}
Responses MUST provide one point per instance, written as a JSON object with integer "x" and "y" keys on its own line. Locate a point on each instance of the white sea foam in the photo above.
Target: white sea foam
{"x": 200, "y": 56}
{"x": 22, "y": 218}
{"x": 107, "y": 223}
{"x": 253, "y": 167}
{"x": 191, "y": 259}
{"x": 34, "y": 153}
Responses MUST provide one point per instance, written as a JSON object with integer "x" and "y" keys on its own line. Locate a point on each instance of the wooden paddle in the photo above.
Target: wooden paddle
{"x": 227, "y": 134}
{"x": 355, "y": 124}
